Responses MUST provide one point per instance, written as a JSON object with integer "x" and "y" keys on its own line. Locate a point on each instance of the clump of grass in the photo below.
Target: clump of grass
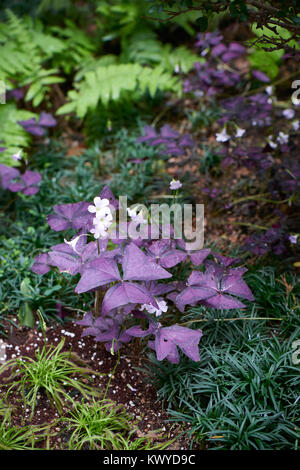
{"x": 243, "y": 394}
{"x": 20, "y": 438}
{"x": 52, "y": 370}
{"x": 104, "y": 425}
{"x": 95, "y": 426}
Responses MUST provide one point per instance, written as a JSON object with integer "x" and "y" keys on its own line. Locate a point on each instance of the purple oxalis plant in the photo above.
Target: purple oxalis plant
{"x": 134, "y": 281}
{"x": 26, "y": 183}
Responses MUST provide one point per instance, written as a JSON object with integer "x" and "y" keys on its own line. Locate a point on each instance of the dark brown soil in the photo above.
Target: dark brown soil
{"x": 129, "y": 386}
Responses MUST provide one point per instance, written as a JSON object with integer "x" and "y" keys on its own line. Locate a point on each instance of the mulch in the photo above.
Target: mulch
{"x": 129, "y": 386}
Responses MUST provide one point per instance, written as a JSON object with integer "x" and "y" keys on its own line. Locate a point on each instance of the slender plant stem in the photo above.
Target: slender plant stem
{"x": 232, "y": 319}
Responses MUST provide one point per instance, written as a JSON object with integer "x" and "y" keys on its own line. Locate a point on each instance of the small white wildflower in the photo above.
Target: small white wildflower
{"x": 136, "y": 216}
{"x": 175, "y": 184}
{"x": 293, "y": 239}
{"x": 296, "y": 125}
{"x": 99, "y": 205}
{"x": 72, "y": 243}
{"x": 240, "y": 132}
{"x": 162, "y": 308}
{"x": 282, "y": 138}
{"x": 269, "y": 90}
{"x": 272, "y": 144}
{"x": 17, "y": 156}
{"x": 288, "y": 113}
{"x": 99, "y": 229}
{"x": 222, "y": 136}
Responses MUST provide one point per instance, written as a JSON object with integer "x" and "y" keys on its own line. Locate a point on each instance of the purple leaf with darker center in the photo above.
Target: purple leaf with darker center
{"x": 7, "y": 174}
{"x": 197, "y": 257}
{"x": 225, "y": 302}
{"x": 113, "y": 335}
{"x": 138, "y": 332}
{"x": 31, "y": 179}
{"x": 139, "y": 267}
{"x": 31, "y": 126}
{"x": 47, "y": 120}
{"x": 262, "y": 77}
{"x": 173, "y": 355}
{"x": 167, "y": 339}
{"x": 99, "y": 272}
{"x": 65, "y": 259}
{"x": 150, "y": 134}
{"x": 126, "y": 293}
{"x": 106, "y": 193}
{"x": 168, "y": 133}
{"x": 70, "y": 215}
{"x": 27, "y": 183}
{"x": 41, "y": 264}
{"x": 158, "y": 289}
{"x": 164, "y": 253}
{"x": 212, "y": 281}
{"x": 234, "y": 284}
{"x": 225, "y": 260}
{"x": 186, "y": 141}
{"x": 87, "y": 320}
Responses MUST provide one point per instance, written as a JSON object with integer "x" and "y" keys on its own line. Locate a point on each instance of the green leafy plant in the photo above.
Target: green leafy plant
{"x": 53, "y": 371}
{"x": 13, "y": 137}
{"x": 98, "y": 425}
{"x": 24, "y": 50}
{"x": 112, "y": 82}
{"x": 14, "y": 437}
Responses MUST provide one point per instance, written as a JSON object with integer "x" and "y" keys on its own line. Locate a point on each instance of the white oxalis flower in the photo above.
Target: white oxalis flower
{"x": 103, "y": 217}
{"x": 175, "y": 184}
{"x": 282, "y": 138}
{"x": 135, "y": 215}
{"x": 288, "y": 113}
{"x": 17, "y": 156}
{"x": 72, "y": 243}
{"x": 240, "y": 132}
{"x": 99, "y": 206}
{"x": 162, "y": 308}
{"x": 222, "y": 136}
{"x": 99, "y": 229}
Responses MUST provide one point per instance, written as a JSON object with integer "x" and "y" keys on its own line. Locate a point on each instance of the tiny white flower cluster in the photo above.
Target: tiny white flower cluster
{"x": 103, "y": 217}
{"x": 162, "y": 308}
{"x": 282, "y": 139}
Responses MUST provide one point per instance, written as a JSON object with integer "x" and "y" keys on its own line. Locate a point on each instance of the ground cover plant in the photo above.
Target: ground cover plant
{"x": 116, "y": 333}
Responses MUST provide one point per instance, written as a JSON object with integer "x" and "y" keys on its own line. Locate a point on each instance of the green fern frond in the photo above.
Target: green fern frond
{"x": 13, "y": 137}
{"x": 110, "y": 83}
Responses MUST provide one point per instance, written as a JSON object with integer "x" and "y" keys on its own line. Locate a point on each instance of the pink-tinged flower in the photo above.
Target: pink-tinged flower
{"x": 175, "y": 184}
{"x": 288, "y": 113}
{"x": 17, "y": 156}
{"x": 293, "y": 239}
{"x": 222, "y": 136}
{"x": 162, "y": 307}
